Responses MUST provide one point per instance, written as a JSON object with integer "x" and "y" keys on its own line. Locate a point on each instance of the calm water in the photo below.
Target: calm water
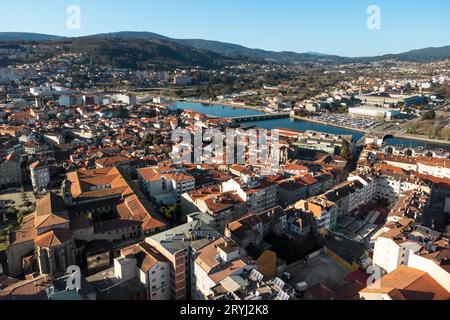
{"x": 216, "y": 110}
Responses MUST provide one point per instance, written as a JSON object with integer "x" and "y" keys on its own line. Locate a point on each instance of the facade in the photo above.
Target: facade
{"x": 406, "y": 283}
{"x": 324, "y": 142}
{"x": 259, "y": 193}
{"x": 407, "y": 244}
{"x": 45, "y": 242}
{"x": 10, "y": 171}
{"x": 326, "y": 212}
{"x": 387, "y": 114}
{"x": 145, "y": 263}
{"x": 166, "y": 185}
{"x": 182, "y": 80}
{"x": 178, "y": 246}
{"x": 222, "y": 207}
{"x": 40, "y": 175}
{"x": 213, "y": 263}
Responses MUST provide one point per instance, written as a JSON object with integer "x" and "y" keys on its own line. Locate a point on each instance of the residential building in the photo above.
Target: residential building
{"x": 145, "y": 263}
{"x": 212, "y": 264}
{"x": 40, "y": 175}
{"x": 178, "y": 246}
{"x": 10, "y": 171}
{"x": 165, "y": 185}
{"x": 406, "y": 283}
{"x": 259, "y": 193}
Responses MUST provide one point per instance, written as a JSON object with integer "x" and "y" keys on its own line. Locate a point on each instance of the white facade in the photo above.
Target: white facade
{"x": 389, "y": 255}
{"x": 40, "y": 177}
{"x": 202, "y": 282}
{"x": 182, "y": 80}
{"x": 374, "y": 112}
{"x": 435, "y": 171}
{"x": 124, "y": 98}
{"x": 429, "y": 266}
{"x": 257, "y": 201}
{"x": 157, "y": 280}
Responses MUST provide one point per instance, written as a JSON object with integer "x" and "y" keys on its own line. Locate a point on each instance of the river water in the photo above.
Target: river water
{"x": 222, "y": 111}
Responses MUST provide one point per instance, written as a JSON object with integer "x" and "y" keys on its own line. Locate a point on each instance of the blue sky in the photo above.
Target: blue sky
{"x": 326, "y": 26}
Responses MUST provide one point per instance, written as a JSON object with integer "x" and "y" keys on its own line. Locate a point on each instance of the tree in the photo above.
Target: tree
{"x": 429, "y": 115}
{"x": 146, "y": 141}
{"x": 11, "y": 213}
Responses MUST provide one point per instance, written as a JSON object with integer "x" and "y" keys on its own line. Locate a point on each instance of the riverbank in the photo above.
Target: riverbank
{"x": 422, "y": 139}
{"x": 328, "y": 124}
{"x": 227, "y": 104}
{"x": 396, "y": 135}
{"x": 228, "y": 110}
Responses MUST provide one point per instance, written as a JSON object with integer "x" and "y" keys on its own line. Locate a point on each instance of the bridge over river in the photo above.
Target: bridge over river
{"x": 260, "y": 117}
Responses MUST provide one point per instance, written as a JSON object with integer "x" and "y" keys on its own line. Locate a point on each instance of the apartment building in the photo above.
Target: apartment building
{"x": 212, "y": 264}
{"x": 222, "y": 207}
{"x": 145, "y": 263}
{"x": 165, "y": 185}
{"x": 406, "y": 283}
{"x": 404, "y": 243}
{"x": 10, "y": 171}
{"x": 259, "y": 193}
{"x": 40, "y": 175}
{"x": 178, "y": 246}
{"x": 254, "y": 227}
{"x": 325, "y": 212}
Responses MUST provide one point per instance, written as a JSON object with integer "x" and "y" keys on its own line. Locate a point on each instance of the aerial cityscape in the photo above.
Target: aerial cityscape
{"x": 141, "y": 165}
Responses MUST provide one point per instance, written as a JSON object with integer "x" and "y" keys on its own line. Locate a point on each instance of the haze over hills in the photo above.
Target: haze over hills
{"x": 223, "y": 49}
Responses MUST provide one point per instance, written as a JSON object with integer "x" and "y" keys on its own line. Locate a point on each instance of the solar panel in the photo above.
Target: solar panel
{"x": 279, "y": 283}
{"x": 283, "y": 296}
{"x": 257, "y": 275}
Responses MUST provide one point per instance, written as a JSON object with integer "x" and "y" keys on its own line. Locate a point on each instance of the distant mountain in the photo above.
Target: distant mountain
{"x": 145, "y": 53}
{"x": 421, "y": 55}
{"x": 226, "y": 49}
{"x": 27, "y": 36}
{"x": 234, "y": 50}
{"x": 230, "y": 50}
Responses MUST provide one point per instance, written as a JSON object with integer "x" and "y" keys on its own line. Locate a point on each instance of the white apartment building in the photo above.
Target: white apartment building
{"x": 166, "y": 185}
{"x": 389, "y": 254}
{"x": 145, "y": 263}
{"x": 214, "y": 263}
{"x": 40, "y": 175}
{"x": 436, "y": 167}
{"x": 10, "y": 171}
{"x": 260, "y": 194}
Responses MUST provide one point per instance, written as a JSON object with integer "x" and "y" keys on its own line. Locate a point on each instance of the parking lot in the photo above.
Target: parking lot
{"x": 360, "y": 123}
{"x": 321, "y": 269}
